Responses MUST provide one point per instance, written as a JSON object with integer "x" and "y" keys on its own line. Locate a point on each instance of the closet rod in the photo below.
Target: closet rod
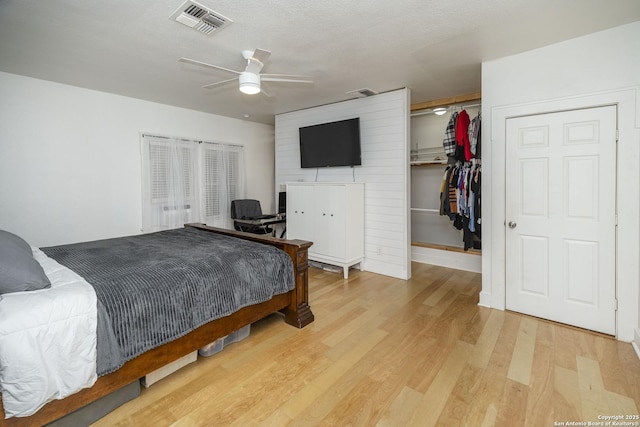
{"x": 471, "y": 106}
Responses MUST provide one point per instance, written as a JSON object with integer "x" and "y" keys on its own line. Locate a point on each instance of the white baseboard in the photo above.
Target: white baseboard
{"x": 485, "y": 300}
{"x": 636, "y": 342}
{"x": 384, "y": 268}
{"x": 449, "y": 259}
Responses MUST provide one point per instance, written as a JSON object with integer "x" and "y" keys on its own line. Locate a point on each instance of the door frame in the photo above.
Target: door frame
{"x": 551, "y": 225}
{"x": 627, "y": 199}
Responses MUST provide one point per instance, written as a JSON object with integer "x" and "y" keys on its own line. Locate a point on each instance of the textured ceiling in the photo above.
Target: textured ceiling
{"x": 433, "y": 47}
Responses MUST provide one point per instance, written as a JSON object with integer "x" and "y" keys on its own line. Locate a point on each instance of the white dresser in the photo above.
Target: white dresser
{"x": 331, "y": 215}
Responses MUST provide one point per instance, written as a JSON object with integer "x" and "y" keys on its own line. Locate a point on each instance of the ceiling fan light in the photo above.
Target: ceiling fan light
{"x": 249, "y": 83}
{"x": 249, "y": 88}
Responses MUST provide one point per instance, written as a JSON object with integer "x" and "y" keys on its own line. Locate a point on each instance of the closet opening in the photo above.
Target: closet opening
{"x": 446, "y": 168}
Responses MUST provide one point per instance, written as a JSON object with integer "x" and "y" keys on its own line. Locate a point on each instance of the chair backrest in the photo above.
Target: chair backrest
{"x": 245, "y": 208}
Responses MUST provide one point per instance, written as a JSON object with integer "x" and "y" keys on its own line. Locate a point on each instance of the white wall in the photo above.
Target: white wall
{"x": 597, "y": 69}
{"x": 384, "y": 130}
{"x": 70, "y": 166}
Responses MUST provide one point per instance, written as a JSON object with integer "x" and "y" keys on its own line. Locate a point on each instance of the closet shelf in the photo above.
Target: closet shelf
{"x": 428, "y": 155}
{"x": 425, "y": 210}
{"x": 428, "y": 163}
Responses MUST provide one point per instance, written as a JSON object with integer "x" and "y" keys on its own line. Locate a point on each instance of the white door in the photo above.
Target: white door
{"x": 560, "y": 217}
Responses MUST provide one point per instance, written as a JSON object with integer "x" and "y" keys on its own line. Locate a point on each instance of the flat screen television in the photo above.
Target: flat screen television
{"x": 330, "y": 144}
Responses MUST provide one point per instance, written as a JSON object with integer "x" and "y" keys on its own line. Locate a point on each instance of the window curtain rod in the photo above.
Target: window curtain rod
{"x": 191, "y": 140}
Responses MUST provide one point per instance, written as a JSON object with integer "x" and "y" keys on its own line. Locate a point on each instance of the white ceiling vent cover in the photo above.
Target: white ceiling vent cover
{"x": 361, "y": 93}
{"x": 200, "y": 18}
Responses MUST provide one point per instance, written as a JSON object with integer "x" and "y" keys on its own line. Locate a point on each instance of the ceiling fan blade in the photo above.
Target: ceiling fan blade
{"x": 253, "y": 66}
{"x": 212, "y": 85}
{"x": 289, "y": 78}
{"x": 265, "y": 93}
{"x": 261, "y": 55}
{"x": 255, "y": 60}
{"x": 204, "y": 64}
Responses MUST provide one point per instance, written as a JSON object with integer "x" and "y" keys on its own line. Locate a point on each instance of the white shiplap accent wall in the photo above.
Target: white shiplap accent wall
{"x": 384, "y": 133}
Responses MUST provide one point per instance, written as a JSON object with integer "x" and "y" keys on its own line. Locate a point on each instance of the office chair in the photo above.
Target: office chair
{"x": 249, "y": 209}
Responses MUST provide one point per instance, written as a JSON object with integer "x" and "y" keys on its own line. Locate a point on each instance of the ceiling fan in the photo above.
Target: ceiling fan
{"x": 251, "y": 77}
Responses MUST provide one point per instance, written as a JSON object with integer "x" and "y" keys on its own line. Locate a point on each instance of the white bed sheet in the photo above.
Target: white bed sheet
{"x": 47, "y": 340}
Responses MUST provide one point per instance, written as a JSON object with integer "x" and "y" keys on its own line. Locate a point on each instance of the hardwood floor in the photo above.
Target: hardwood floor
{"x": 388, "y": 352}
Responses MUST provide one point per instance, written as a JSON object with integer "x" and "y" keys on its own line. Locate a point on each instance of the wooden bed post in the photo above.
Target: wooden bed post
{"x": 298, "y": 313}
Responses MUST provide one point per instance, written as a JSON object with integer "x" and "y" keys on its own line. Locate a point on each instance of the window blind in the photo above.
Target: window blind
{"x": 186, "y": 180}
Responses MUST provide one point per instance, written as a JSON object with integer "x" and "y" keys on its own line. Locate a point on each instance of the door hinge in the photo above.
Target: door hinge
{"x": 615, "y": 305}
{"x": 616, "y": 220}
{"x": 617, "y": 135}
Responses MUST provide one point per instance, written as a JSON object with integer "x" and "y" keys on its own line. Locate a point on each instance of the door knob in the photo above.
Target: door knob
{"x": 512, "y": 224}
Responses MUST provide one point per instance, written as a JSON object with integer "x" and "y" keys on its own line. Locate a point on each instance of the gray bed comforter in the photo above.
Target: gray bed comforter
{"x": 154, "y": 288}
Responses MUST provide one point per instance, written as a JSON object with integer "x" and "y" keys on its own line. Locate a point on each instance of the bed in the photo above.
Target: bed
{"x": 168, "y": 343}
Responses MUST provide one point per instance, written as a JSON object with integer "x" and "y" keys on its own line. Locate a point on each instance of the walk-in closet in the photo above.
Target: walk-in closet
{"x": 446, "y": 168}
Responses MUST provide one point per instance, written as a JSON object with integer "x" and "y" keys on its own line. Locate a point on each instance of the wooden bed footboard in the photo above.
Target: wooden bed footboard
{"x": 297, "y": 313}
{"x": 293, "y": 304}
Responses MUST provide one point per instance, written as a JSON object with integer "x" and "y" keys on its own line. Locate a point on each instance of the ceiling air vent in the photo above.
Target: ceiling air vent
{"x": 198, "y": 17}
{"x": 361, "y": 93}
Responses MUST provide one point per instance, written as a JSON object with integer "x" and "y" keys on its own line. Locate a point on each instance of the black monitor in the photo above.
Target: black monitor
{"x": 282, "y": 202}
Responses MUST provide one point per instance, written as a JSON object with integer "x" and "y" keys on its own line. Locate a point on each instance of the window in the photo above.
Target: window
{"x": 189, "y": 181}
{"x": 222, "y": 179}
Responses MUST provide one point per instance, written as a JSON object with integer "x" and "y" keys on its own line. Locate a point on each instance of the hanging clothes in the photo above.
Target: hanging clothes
{"x": 453, "y": 191}
{"x": 443, "y": 189}
{"x": 460, "y": 201}
{"x": 449, "y": 141}
{"x": 474, "y": 135}
{"x": 460, "y": 197}
{"x": 477, "y": 211}
{"x": 463, "y": 145}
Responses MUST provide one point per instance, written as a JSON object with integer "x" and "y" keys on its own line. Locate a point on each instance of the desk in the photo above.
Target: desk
{"x": 279, "y": 219}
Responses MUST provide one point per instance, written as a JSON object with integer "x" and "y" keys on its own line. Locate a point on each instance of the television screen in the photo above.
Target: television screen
{"x": 330, "y": 144}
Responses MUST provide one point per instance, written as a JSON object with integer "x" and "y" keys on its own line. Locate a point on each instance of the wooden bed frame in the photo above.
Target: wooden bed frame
{"x": 293, "y": 304}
